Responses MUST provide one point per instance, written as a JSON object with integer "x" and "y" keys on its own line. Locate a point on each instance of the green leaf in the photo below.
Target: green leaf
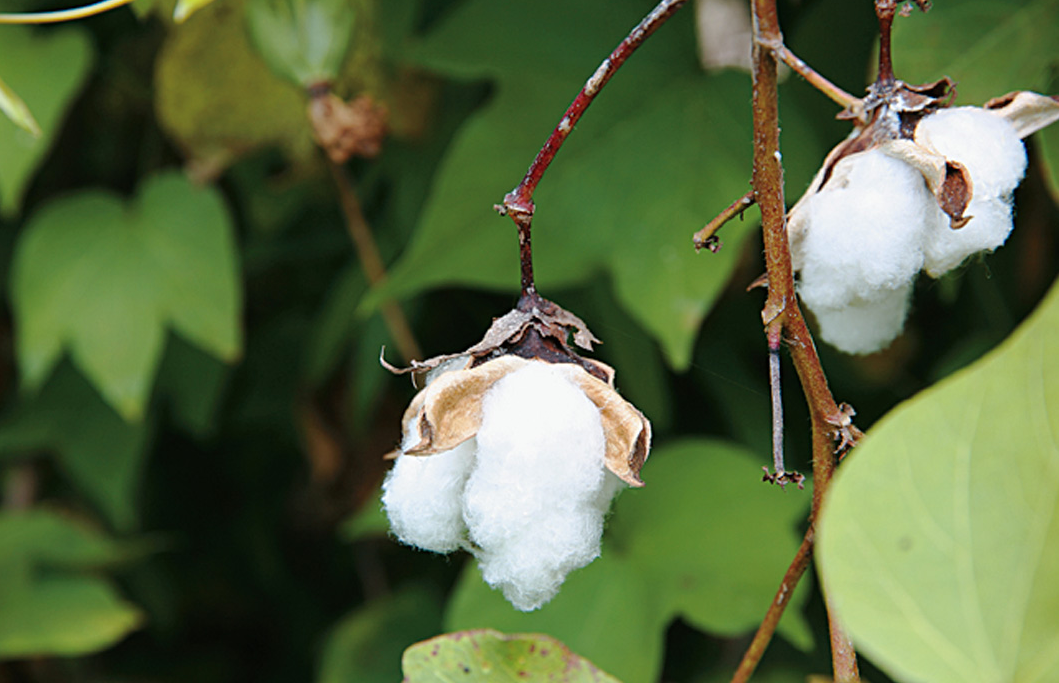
{"x": 211, "y": 88}
{"x": 939, "y": 544}
{"x": 661, "y": 150}
{"x": 304, "y": 41}
{"x": 704, "y": 540}
{"x": 104, "y": 282}
{"x": 988, "y": 48}
{"x": 47, "y": 607}
{"x": 101, "y": 453}
{"x": 47, "y": 69}
{"x": 484, "y": 655}
{"x": 366, "y": 646}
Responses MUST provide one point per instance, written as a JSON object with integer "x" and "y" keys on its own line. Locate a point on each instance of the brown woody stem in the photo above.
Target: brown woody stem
{"x": 885, "y": 10}
{"x": 707, "y": 237}
{"x": 768, "y": 625}
{"x": 781, "y": 314}
{"x": 371, "y": 262}
{"x": 519, "y": 202}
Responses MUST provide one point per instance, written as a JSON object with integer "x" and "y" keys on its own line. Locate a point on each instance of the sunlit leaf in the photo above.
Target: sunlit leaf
{"x": 48, "y": 606}
{"x": 660, "y": 151}
{"x": 100, "y": 452}
{"x": 481, "y": 656}
{"x": 704, "y": 540}
{"x": 46, "y": 70}
{"x": 104, "y": 282}
{"x": 939, "y": 544}
{"x": 366, "y": 646}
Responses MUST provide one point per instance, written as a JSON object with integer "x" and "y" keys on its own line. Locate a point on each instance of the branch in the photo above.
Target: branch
{"x": 781, "y": 315}
{"x": 519, "y": 202}
{"x": 371, "y": 261}
{"x": 62, "y": 15}
{"x": 707, "y": 237}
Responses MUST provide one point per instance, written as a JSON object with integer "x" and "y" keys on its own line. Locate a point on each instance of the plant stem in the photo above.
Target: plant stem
{"x": 519, "y": 202}
{"x": 885, "y": 10}
{"x": 853, "y": 104}
{"x": 781, "y": 314}
{"x": 707, "y": 237}
{"x": 843, "y": 656}
{"x": 768, "y": 625}
{"x": 371, "y": 262}
{"x": 62, "y": 15}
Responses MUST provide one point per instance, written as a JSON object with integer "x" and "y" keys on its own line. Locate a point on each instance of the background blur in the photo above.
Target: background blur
{"x": 193, "y": 411}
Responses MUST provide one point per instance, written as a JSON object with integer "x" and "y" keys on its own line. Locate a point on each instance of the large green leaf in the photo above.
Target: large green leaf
{"x": 940, "y": 541}
{"x": 46, "y": 70}
{"x": 483, "y": 656}
{"x": 48, "y": 605}
{"x": 705, "y": 540}
{"x": 100, "y": 452}
{"x": 662, "y": 149}
{"x": 105, "y": 281}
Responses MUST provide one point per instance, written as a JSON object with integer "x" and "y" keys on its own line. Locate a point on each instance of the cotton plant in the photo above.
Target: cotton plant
{"x": 513, "y": 451}
{"x": 920, "y": 187}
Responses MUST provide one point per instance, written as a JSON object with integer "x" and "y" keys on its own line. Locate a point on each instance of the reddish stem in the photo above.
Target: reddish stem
{"x": 885, "y": 10}
{"x": 781, "y": 314}
{"x": 519, "y": 202}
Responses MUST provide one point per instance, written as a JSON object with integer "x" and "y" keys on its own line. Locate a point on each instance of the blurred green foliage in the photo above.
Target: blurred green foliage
{"x": 189, "y": 351}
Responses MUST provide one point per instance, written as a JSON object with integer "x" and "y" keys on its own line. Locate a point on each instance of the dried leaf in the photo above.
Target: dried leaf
{"x": 1027, "y": 111}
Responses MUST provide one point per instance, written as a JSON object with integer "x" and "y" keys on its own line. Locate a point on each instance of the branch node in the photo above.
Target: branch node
{"x": 783, "y": 477}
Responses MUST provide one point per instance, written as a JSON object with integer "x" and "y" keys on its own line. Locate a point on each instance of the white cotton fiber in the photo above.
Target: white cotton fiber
{"x": 986, "y": 144}
{"x": 534, "y": 504}
{"x": 988, "y": 228}
{"x": 865, "y": 326}
{"x": 990, "y": 148}
{"x": 423, "y": 497}
{"x": 864, "y": 231}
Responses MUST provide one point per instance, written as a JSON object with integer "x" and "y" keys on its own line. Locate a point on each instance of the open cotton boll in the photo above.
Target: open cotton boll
{"x": 423, "y": 497}
{"x": 986, "y": 144}
{"x": 533, "y": 505}
{"x": 988, "y": 228}
{"x": 864, "y": 231}
{"x": 865, "y": 326}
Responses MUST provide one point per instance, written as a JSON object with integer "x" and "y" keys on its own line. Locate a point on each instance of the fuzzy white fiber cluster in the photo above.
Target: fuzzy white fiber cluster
{"x": 527, "y": 495}
{"x": 875, "y": 224}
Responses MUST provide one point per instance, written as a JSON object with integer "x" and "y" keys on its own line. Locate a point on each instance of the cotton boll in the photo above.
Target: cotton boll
{"x": 534, "y": 503}
{"x": 865, "y": 326}
{"x": 986, "y": 144}
{"x": 988, "y": 228}
{"x": 864, "y": 231}
{"x": 423, "y": 497}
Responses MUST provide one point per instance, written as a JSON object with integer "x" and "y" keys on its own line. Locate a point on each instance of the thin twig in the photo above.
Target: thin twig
{"x": 781, "y": 314}
{"x": 707, "y": 237}
{"x": 371, "y": 261}
{"x": 519, "y": 202}
{"x": 768, "y": 625}
{"x": 780, "y": 475}
{"x": 854, "y": 105}
{"x": 62, "y": 15}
